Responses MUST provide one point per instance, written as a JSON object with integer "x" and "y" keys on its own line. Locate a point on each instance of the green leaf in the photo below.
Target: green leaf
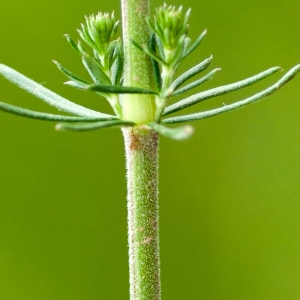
{"x": 92, "y": 126}
{"x": 72, "y": 43}
{"x": 191, "y": 72}
{"x": 160, "y": 47}
{"x": 196, "y": 83}
{"x": 118, "y": 89}
{"x": 210, "y": 113}
{"x": 85, "y": 36}
{"x": 150, "y": 53}
{"x": 179, "y": 133}
{"x": 158, "y": 31}
{"x": 95, "y": 70}
{"x": 155, "y": 66}
{"x": 178, "y": 52}
{"x": 219, "y": 91}
{"x": 69, "y": 74}
{"x": 186, "y": 43}
{"x": 194, "y": 46}
{"x": 81, "y": 48}
{"x": 48, "y": 117}
{"x": 110, "y": 54}
{"x": 44, "y": 94}
{"x": 117, "y": 67}
{"x": 76, "y": 85}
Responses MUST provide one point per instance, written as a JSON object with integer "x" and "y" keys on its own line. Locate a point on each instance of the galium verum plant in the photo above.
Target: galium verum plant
{"x": 137, "y": 76}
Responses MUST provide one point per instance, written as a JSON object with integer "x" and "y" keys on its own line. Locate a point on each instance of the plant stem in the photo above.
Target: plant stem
{"x": 138, "y": 70}
{"x": 141, "y": 144}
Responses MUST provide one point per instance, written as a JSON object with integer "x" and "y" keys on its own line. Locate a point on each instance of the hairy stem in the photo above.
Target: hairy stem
{"x": 141, "y": 144}
{"x": 138, "y": 70}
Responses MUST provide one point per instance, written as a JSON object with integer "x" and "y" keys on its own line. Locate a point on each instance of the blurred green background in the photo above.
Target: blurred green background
{"x": 229, "y": 197}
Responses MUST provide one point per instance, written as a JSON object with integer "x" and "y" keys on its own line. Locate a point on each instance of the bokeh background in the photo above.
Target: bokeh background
{"x": 229, "y": 197}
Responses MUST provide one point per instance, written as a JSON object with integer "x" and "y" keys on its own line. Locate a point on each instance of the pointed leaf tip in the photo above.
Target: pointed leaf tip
{"x": 178, "y": 133}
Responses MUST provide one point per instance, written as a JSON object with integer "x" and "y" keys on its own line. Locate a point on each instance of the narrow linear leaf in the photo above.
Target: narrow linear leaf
{"x": 221, "y": 90}
{"x": 150, "y": 53}
{"x": 159, "y": 31}
{"x": 85, "y": 37}
{"x": 83, "y": 87}
{"x": 157, "y": 76}
{"x": 192, "y": 72}
{"x": 76, "y": 85}
{"x": 179, "y": 133}
{"x": 95, "y": 70}
{"x": 194, "y": 46}
{"x": 48, "y": 117}
{"x": 154, "y": 56}
{"x": 92, "y": 126}
{"x": 72, "y": 43}
{"x": 69, "y": 74}
{"x": 186, "y": 44}
{"x": 81, "y": 48}
{"x": 119, "y": 89}
{"x": 96, "y": 56}
{"x": 196, "y": 83}
{"x": 160, "y": 47}
{"x": 137, "y": 45}
{"x": 93, "y": 36}
{"x": 110, "y": 54}
{"x": 46, "y": 95}
{"x": 178, "y": 52}
{"x": 210, "y": 113}
{"x": 155, "y": 66}
{"x": 117, "y": 67}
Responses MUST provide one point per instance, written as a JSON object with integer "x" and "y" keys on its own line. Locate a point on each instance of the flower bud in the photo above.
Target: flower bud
{"x": 99, "y": 31}
{"x": 170, "y": 25}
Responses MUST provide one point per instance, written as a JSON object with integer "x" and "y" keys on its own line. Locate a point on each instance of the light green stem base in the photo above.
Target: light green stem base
{"x": 141, "y": 144}
{"x": 138, "y": 71}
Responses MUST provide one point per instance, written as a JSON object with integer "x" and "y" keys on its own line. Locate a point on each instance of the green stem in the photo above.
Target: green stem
{"x": 138, "y": 71}
{"x": 141, "y": 144}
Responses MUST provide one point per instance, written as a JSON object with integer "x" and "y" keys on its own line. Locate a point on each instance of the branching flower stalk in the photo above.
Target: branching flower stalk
{"x": 137, "y": 76}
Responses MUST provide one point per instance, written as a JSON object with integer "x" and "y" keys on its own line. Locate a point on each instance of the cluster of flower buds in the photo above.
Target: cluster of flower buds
{"x": 99, "y": 33}
{"x": 168, "y": 47}
{"x": 170, "y": 26}
{"x": 105, "y": 65}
